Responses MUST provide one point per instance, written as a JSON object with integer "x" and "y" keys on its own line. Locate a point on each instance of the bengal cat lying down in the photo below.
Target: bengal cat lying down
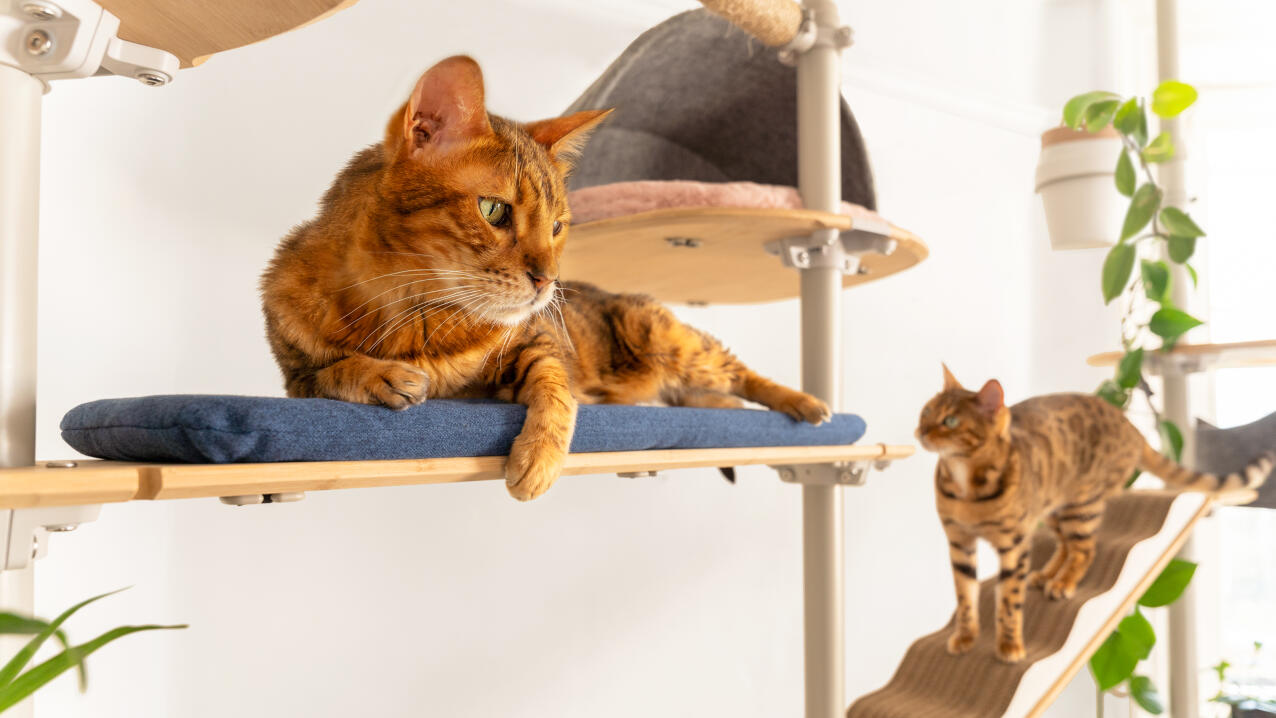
{"x": 432, "y": 271}
{"x": 1003, "y": 469}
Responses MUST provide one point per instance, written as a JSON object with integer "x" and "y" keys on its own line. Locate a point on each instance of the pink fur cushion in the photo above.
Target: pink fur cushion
{"x": 625, "y": 198}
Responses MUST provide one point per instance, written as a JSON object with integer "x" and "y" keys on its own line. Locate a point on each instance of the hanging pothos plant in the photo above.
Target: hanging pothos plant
{"x": 1149, "y": 221}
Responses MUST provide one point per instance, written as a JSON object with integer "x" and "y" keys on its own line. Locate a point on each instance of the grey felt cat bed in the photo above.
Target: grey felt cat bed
{"x": 1224, "y": 451}
{"x": 698, "y": 99}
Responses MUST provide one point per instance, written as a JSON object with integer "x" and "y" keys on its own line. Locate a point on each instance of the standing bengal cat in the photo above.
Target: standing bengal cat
{"x": 432, "y": 271}
{"x": 1002, "y": 470}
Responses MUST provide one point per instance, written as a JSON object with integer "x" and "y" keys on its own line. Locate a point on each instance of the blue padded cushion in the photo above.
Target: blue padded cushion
{"x": 226, "y": 429}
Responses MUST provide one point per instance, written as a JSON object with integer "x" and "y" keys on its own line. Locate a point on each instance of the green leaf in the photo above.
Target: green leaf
{"x": 1125, "y": 174}
{"x": 1116, "y": 271}
{"x": 1179, "y": 223}
{"x": 1114, "y": 662}
{"x": 1112, "y": 393}
{"x": 27, "y": 683}
{"x": 1191, "y": 272}
{"x": 13, "y": 624}
{"x": 1099, "y": 114}
{"x": 1139, "y": 631}
{"x": 1146, "y": 199}
{"x": 1159, "y": 149}
{"x": 22, "y": 657}
{"x": 1074, "y": 110}
{"x": 1130, "y": 369}
{"x": 1172, "y": 97}
{"x": 1169, "y": 585}
{"x": 1156, "y": 280}
{"x": 1171, "y": 439}
{"x": 1133, "y": 477}
{"x": 1181, "y": 248}
{"x": 1169, "y": 323}
{"x": 1145, "y": 694}
{"x": 1132, "y": 122}
{"x": 1221, "y": 669}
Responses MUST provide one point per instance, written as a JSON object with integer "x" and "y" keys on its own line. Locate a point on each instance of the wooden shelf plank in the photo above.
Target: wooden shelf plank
{"x": 728, "y": 265}
{"x": 108, "y": 482}
{"x": 194, "y": 30}
{"x": 1200, "y": 357}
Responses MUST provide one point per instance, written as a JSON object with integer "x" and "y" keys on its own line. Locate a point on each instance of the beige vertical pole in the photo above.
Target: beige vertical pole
{"x": 819, "y": 180}
{"x": 1184, "y": 680}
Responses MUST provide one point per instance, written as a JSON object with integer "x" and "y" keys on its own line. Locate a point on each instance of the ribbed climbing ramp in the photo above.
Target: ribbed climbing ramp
{"x": 1141, "y": 532}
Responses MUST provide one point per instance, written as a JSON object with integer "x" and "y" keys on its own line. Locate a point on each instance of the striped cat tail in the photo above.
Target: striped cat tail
{"x": 1181, "y": 477}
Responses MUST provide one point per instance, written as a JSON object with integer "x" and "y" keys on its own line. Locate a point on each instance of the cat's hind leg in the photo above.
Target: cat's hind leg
{"x": 1039, "y": 578}
{"x": 1078, "y": 523}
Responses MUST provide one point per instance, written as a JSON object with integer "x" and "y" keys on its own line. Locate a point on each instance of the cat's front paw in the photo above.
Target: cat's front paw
{"x": 1010, "y": 651}
{"x": 398, "y": 385}
{"x": 804, "y": 407}
{"x": 960, "y": 642}
{"x": 533, "y": 466}
{"x": 1038, "y": 579}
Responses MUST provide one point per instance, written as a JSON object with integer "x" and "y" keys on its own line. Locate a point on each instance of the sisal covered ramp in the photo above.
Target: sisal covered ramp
{"x": 1141, "y": 532}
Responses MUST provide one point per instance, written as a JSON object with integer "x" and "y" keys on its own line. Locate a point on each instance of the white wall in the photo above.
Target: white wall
{"x": 677, "y": 596}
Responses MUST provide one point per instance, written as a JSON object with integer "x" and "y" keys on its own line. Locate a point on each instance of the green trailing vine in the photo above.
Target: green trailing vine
{"x": 1149, "y": 222}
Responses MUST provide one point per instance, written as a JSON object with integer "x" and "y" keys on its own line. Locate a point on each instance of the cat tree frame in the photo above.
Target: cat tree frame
{"x": 61, "y": 39}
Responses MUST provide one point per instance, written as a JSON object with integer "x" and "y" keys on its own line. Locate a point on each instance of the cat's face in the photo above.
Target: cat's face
{"x": 477, "y": 204}
{"x": 958, "y": 421}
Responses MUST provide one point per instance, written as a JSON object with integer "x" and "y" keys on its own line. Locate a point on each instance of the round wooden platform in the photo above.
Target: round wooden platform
{"x": 193, "y": 30}
{"x": 1198, "y": 357}
{"x": 724, "y": 263}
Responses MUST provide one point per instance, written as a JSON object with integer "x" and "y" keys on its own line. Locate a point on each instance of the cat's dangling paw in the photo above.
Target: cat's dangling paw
{"x": 960, "y": 642}
{"x": 1037, "y": 579}
{"x": 533, "y": 466}
{"x": 1056, "y": 589}
{"x": 804, "y": 407}
{"x": 1010, "y": 651}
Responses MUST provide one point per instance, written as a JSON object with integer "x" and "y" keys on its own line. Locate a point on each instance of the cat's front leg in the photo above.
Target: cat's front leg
{"x": 367, "y": 380}
{"x": 1011, "y": 584}
{"x": 961, "y": 551}
{"x": 537, "y": 456}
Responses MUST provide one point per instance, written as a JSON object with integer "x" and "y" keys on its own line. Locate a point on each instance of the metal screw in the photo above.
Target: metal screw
{"x": 153, "y": 79}
{"x": 61, "y": 528}
{"x": 689, "y": 242}
{"x": 42, "y": 10}
{"x": 803, "y": 258}
{"x": 38, "y": 43}
{"x": 61, "y": 464}
{"x": 788, "y": 475}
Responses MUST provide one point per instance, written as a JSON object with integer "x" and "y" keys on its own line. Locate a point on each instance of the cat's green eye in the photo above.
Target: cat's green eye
{"x": 494, "y": 211}
{"x": 951, "y": 422}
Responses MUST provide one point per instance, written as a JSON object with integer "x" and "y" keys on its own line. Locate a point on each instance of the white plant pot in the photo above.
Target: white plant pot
{"x": 1076, "y": 181}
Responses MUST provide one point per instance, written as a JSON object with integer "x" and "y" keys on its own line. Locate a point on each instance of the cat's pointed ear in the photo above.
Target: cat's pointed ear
{"x": 950, "y": 381}
{"x": 565, "y": 137}
{"x": 446, "y": 108}
{"x": 991, "y": 398}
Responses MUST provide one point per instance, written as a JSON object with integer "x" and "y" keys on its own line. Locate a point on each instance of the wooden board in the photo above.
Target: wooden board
{"x": 194, "y": 29}
{"x": 728, "y": 266}
{"x": 1141, "y": 532}
{"x": 104, "y": 482}
{"x": 1199, "y": 357}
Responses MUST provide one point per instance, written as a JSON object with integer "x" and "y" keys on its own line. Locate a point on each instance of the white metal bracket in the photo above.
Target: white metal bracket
{"x": 840, "y": 473}
{"x": 254, "y": 499}
{"x": 24, "y": 533}
{"x": 810, "y": 35}
{"x": 75, "y": 38}
{"x": 638, "y": 474}
{"x": 842, "y": 251}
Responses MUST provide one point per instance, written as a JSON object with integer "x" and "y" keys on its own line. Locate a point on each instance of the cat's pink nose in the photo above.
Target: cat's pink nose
{"x": 538, "y": 280}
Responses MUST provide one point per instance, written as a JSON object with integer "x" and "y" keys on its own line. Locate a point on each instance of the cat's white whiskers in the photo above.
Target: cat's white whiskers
{"x": 404, "y": 299}
{"x": 408, "y": 312}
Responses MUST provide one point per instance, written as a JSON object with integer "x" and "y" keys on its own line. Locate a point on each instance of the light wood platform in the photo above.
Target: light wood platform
{"x": 1200, "y": 357}
{"x": 1141, "y": 532}
{"x": 96, "y": 482}
{"x": 194, "y": 29}
{"x": 728, "y": 265}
